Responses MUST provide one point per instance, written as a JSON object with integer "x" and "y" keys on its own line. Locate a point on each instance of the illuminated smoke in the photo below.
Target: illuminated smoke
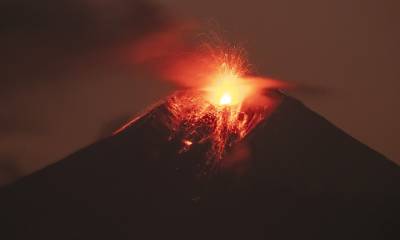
{"x": 220, "y": 104}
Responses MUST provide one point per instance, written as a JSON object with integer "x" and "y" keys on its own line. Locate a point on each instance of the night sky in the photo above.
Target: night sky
{"x": 67, "y": 80}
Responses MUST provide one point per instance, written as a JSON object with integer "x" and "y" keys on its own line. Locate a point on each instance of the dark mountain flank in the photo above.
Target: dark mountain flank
{"x": 295, "y": 176}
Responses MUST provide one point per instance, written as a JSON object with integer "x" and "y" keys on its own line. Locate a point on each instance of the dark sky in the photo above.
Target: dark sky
{"x": 64, "y": 83}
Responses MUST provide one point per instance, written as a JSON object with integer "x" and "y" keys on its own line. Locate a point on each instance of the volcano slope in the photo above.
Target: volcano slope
{"x": 300, "y": 178}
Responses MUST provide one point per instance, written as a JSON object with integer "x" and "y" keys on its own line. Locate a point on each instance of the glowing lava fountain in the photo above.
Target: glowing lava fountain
{"x": 219, "y": 114}
{"x": 221, "y": 110}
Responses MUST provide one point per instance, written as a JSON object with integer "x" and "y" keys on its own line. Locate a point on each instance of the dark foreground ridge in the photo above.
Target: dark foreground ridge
{"x": 304, "y": 179}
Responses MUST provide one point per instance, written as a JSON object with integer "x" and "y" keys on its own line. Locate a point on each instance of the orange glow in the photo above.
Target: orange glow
{"x": 228, "y": 87}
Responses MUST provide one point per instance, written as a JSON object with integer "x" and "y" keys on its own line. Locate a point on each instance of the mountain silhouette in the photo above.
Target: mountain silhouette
{"x": 300, "y": 178}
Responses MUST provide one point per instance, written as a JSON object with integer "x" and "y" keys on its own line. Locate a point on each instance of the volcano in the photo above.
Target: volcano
{"x": 293, "y": 176}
